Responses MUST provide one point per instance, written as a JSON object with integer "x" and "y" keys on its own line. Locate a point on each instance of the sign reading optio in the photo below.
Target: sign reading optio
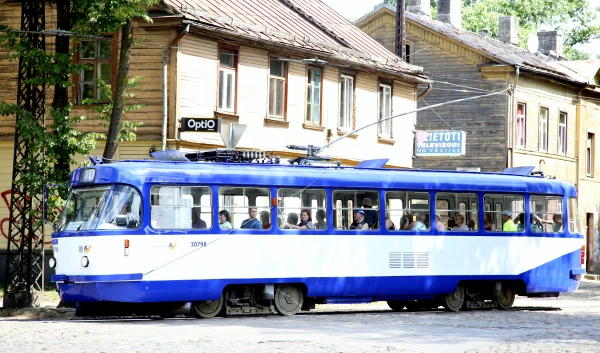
{"x": 201, "y": 124}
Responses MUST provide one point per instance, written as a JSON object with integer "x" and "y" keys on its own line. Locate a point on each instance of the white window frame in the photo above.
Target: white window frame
{"x": 313, "y": 93}
{"x": 346, "y": 102}
{"x": 274, "y": 97}
{"x": 543, "y": 130}
{"x": 385, "y": 110}
{"x": 521, "y": 126}
{"x": 226, "y": 71}
{"x": 562, "y": 133}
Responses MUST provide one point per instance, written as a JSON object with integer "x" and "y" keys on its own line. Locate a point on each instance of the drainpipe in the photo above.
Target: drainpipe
{"x": 512, "y": 115}
{"x": 425, "y": 92}
{"x": 164, "y": 63}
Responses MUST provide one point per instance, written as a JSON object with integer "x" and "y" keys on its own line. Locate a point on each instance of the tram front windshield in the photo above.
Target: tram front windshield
{"x": 105, "y": 207}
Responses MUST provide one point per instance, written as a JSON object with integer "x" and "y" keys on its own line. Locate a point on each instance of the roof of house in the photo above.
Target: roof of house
{"x": 497, "y": 51}
{"x": 304, "y": 25}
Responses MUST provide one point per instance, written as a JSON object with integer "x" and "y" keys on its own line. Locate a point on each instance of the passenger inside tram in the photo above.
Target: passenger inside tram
{"x": 197, "y": 223}
{"x": 321, "y": 222}
{"x": 305, "y": 221}
{"x": 225, "y": 220}
{"x": 265, "y": 219}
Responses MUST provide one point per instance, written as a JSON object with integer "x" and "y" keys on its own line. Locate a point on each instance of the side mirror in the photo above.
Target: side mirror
{"x": 121, "y": 220}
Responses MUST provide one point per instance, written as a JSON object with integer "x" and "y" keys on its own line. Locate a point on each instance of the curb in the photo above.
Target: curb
{"x": 592, "y": 277}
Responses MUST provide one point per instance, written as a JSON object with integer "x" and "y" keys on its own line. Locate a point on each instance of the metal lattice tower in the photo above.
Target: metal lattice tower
{"x": 25, "y": 252}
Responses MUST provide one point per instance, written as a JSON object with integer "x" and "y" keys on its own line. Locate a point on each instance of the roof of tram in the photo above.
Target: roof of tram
{"x": 138, "y": 173}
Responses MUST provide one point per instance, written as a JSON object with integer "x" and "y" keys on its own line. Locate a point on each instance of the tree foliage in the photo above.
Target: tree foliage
{"x": 59, "y": 141}
{"x": 574, "y": 18}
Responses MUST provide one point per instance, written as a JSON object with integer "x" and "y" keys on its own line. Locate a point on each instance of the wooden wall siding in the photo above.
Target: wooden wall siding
{"x": 404, "y": 100}
{"x": 484, "y": 120}
{"x": 537, "y": 94}
{"x": 331, "y": 97}
{"x": 197, "y": 84}
{"x": 418, "y": 33}
{"x": 146, "y": 62}
{"x": 197, "y": 64}
{"x": 382, "y": 29}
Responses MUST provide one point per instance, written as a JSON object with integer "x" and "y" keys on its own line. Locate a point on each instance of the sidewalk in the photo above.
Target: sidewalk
{"x": 591, "y": 277}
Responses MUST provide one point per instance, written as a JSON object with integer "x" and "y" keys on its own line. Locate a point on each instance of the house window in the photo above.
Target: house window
{"x": 313, "y": 95}
{"x": 562, "y": 133}
{"x": 385, "y": 110}
{"x": 521, "y": 124}
{"x": 346, "y": 101}
{"x": 589, "y": 155}
{"x": 277, "y": 91}
{"x": 407, "y": 51}
{"x": 227, "y": 77}
{"x": 543, "y": 133}
{"x": 97, "y": 56}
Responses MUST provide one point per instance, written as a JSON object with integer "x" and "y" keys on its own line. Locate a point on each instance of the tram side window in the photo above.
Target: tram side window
{"x": 180, "y": 207}
{"x": 573, "y": 215}
{"x": 123, "y": 209}
{"x": 407, "y": 210}
{"x": 347, "y": 202}
{"x": 241, "y": 202}
{"x": 458, "y": 211}
{"x": 547, "y": 213}
{"x": 508, "y": 214}
{"x": 302, "y": 209}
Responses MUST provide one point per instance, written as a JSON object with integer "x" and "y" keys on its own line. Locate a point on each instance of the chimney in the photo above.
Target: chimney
{"x": 507, "y": 30}
{"x": 550, "y": 43}
{"x": 449, "y": 12}
{"x": 485, "y": 32}
{"x": 419, "y": 7}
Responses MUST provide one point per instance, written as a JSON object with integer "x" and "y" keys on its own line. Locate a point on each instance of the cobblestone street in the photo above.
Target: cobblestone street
{"x": 568, "y": 324}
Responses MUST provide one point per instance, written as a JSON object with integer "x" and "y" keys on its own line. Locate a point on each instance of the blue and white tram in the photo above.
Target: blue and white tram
{"x": 146, "y": 236}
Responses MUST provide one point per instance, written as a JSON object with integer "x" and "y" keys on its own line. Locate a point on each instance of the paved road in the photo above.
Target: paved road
{"x": 570, "y": 323}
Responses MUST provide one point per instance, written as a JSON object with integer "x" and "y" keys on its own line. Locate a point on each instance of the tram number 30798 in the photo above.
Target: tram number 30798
{"x": 198, "y": 244}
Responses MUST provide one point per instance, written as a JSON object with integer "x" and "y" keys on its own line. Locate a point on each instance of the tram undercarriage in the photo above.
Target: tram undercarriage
{"x": 289, "y": 299}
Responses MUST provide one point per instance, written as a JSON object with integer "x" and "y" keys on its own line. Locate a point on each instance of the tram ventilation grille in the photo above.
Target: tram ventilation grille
{"x": 409, "y": 259}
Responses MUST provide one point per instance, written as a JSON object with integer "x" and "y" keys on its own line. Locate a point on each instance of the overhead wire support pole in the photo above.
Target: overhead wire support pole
{"x": 409, "y": 112}
{"x": 24, "y": 258}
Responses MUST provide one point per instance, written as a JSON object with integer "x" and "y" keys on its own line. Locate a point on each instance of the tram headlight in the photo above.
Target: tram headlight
{"x": 52, "y": 262}
{"x": 85, "y": 262}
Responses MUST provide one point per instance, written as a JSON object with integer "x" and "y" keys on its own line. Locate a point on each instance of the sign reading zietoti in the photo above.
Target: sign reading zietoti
{"x": 201, "y": 124}
{"x": 440, "y": 143}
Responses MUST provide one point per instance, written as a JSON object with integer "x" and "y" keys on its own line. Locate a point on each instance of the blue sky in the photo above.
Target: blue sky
{"x": 354, "y": 9}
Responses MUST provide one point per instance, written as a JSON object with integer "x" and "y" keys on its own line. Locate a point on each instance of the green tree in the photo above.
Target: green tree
{"x": 97, "y": 17}
{"x": 574, "y": 18}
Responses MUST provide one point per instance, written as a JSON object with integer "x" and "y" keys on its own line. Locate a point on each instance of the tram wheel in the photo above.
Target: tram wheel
{"x": 506, "y": 298}
{"x": 396, "y": 305}
{"x": 207, "y": 308}
{"x": 288, "y": 299}
{"x": 454, "y": 301}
